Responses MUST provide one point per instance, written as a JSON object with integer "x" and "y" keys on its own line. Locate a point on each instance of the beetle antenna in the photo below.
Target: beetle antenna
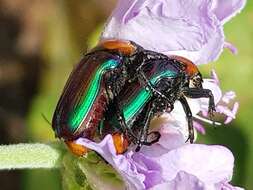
{"x": 45, "y": 118}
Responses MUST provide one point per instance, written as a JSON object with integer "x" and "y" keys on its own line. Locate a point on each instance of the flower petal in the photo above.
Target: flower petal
{"x": 214, "y": 76}
{"x": 209, "y": 52}
{"x": 199, "y": 127}
{"x": 226, "y": 186}
{"x": 149, "y": 168}
{"x": 225, "y": 110}
{"x": 225, "y": 10}
{"x": 230, "y": 95}
{"x": 210, "y": 164}
{"x": 182, "y": 181}
{"x": 173, "y": 135}
{"x": 234, "y": 111}
{"x": 122, "y": 163}
{"x": 231, "y": 47}
{"x": 186, "y": 28}
{"x": 173, "y": 33}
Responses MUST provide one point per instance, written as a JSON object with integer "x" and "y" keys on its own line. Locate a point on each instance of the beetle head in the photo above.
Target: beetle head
{"x": 191, "y": 70}
{"x": 196, "y": 81}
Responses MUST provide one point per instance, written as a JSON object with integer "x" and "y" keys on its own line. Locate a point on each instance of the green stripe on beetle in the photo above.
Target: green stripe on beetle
{"x": 142, "y": 97}
{"x": 82, "y": 109}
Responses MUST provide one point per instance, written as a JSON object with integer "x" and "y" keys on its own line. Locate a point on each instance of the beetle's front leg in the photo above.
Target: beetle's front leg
{"x": 201, "y": 93}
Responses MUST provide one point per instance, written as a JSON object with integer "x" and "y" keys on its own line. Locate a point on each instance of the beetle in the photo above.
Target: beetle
{"x": 176, "y": 78}
{"x": 93, "y": 85}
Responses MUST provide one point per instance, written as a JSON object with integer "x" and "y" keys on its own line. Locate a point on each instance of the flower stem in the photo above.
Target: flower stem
{"x": 31, "y": 156}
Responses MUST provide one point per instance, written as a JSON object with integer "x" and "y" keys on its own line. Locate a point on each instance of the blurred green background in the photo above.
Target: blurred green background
{"x": 40, "y": 43}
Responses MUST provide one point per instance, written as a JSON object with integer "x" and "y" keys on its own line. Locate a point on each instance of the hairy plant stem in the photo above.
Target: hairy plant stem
{"x": 31, "y": 156}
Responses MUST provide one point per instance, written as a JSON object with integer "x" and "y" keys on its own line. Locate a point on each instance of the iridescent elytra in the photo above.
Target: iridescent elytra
{"x": 89, "y": 88}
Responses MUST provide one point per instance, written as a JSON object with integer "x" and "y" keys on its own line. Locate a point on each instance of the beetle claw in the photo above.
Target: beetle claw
{"x": 156, "y": 138}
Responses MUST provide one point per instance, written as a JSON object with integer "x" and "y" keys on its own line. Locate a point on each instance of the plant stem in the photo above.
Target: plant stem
{"x": 21, "y": 156}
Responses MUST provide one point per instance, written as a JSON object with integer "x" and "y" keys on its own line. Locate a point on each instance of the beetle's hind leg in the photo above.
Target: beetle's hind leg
{"x": 188, "y": 113}
{"x": 155, "y": 138}
{"x": 127, "y": 131}
{"x": 142, "y": 138}
{"x": 144, "y": 135}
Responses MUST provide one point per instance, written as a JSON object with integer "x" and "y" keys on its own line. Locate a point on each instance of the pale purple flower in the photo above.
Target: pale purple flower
{"x": 192, "y": 29}
{"x": 199, "y": 127}
{"x": 170, "y": 163}
{"x": 199, "y": 107}
{"x": 222, "y": 101}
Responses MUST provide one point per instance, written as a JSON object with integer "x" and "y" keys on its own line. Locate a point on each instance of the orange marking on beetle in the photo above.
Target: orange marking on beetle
{"x": 124, "y": 47}
{"x": 120, "y": 143}
{"x": 191, "y": 68}
{"x": 77, "y": 149}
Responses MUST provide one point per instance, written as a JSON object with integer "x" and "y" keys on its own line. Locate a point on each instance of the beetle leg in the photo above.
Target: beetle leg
{"x": 202, "y": 93}
{"x": 143, "y": 137}
{"x": 120, "y": 117}
{"x": 125, "y": 128}
{"x": 110, "y": 89}
{"x": 188, "y": 113}
{"x": 156, "y": 136}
